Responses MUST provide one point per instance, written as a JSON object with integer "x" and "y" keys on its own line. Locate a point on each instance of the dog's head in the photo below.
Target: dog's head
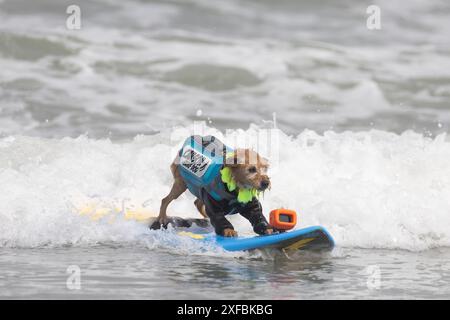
{"x": 249, "y": 169}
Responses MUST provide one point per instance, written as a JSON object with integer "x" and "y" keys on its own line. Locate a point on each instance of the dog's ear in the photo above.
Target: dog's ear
{"x": 235, "y": 158}
{"x": 264, "y": 162}
{"x": 231, "y": 160}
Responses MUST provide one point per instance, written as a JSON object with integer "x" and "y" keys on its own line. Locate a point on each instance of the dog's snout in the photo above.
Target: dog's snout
{"x": 264, "y": 184}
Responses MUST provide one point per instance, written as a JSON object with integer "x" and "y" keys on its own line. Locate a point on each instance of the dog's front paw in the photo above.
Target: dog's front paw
{"x": 229, "y": 233}
{"x": 269, "y": 231}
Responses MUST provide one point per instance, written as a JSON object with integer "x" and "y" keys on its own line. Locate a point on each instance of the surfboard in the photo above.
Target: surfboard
{"x": 315, "y": 238}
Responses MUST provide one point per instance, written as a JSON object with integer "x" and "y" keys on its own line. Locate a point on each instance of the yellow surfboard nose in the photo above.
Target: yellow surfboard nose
{"x": 191, "y": 235}
{"x": 96, "y": 213}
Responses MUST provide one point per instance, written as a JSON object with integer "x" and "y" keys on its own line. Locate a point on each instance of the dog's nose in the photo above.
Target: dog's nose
{"x": 264, "y": 184}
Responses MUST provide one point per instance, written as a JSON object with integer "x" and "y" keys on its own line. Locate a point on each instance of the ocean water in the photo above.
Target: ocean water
{"x": 96, "y": 115}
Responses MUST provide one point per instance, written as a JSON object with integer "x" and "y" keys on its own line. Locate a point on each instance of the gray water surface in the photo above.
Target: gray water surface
{"x": 137, "y": 67}
{"x": 140, "y": 273}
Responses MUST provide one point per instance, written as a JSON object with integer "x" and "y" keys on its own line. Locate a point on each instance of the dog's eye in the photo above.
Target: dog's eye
{"x": 252, "y": 169}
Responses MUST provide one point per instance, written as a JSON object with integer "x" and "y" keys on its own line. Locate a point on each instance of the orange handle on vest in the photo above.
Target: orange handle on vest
{"x": 283, "y": 219}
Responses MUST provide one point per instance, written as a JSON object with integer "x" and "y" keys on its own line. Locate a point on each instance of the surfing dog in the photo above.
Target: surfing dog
{"x": 234, "y": 189}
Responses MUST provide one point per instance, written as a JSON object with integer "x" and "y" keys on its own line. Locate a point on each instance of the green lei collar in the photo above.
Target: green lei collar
{"x": 244, "y": 195}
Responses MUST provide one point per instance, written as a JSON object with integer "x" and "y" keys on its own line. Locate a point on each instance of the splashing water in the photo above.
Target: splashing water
{"x": 371, "y": 189}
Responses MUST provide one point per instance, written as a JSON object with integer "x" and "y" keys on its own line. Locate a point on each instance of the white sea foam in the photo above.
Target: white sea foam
{"x": 370, "y": 189}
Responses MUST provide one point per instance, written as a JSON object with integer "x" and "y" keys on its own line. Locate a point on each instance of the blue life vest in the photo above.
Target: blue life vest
{"x": 200, "y": 162}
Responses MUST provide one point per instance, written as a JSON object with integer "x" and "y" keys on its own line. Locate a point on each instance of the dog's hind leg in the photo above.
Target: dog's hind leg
{"x": 200, "y": 207}
{"x": 178, "y": 188}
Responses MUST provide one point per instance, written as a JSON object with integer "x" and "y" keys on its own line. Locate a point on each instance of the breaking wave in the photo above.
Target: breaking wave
{"x": 371, "y": 189}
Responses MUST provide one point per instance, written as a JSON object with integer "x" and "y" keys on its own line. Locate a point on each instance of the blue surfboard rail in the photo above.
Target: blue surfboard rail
{"x": 314, "y": 234}
{"x": 315, "y": 238}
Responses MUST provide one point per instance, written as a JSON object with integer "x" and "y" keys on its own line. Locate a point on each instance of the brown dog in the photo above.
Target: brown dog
{"x": 249, "y": 171}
